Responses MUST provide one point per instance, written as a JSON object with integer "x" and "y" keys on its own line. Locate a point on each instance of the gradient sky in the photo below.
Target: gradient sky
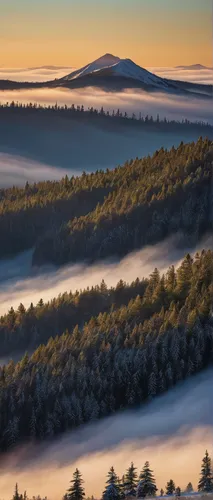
{"x": 74, "y": 32}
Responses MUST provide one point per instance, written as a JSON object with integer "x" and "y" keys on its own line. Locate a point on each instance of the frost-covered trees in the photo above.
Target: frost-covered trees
{"x": 178, "y": 492}
{"x": 130, "y": 482}
{"x": 112, "y": 490}
{"x": 206, "y": 480}
{"x": 76, "y": 490}
{"x": 147, "y": 483}
{"x": 189, "y": 488}
{"x": 145, "y": 345}
{"x": 170, "y": 487}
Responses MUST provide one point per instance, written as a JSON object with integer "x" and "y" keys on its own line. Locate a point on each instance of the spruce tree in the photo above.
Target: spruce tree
{"x": 189, "y": 488}
{"x": 206, "y": 481}
{"x": 178, "y": 492}
{"x": 130, "y": 484}
{"x": 16, "y": 493}
{"x": 112, "y": 490}
{"x": 146, "y": 485}
{"x": 76, "y": 490}
{"x": 170, "y": 487}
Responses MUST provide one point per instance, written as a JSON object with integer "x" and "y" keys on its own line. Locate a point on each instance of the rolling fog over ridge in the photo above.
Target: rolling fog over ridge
{"x": 43, "y": 73}
{"x": 19, "y": 282}
{"x": 172, "y": 432}
{"x": 16, "y": 171}
{"x": 86, "y": 144}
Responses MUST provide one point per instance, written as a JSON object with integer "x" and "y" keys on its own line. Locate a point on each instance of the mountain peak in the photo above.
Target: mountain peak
{"x": 108, "y": 59}
{"x": 105, "y": 61}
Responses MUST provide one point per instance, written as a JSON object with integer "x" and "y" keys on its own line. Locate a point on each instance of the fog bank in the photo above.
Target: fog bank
{"x": 172, "y": 432}
{"x": 16, "y": 170}
{"x": 89, "y": 144}
{"x": 46, "y": 73}
{"x": 172, "y": 106}
{"x": 20, "y": 283}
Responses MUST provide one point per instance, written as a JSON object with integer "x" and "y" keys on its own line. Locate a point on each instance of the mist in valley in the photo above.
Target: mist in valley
{"x": 22, "y": 283}
{"x": 47, "y": 73}
{"x": 172, "y": 432}
{"x": 77, "y": 145}
{"x": 16, "y": 171}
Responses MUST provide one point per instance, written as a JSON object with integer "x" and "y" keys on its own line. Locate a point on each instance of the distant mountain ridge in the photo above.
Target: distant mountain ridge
{"x": 195, "y": 67}
{"x": 112, "y": 73}
{"x": 109, "y": 66}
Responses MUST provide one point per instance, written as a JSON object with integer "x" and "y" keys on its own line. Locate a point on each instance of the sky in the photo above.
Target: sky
{"x": 75, "y": 32}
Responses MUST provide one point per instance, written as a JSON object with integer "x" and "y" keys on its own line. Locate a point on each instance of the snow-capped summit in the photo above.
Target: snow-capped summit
{"x": 105, "y": 61}
{"x": 109, "y": 67}
{"x": 128, "y": 69}
{"x": 114, "y": 74}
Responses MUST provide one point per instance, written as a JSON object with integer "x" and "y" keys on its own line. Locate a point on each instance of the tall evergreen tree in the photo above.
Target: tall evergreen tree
{"x": 130, "y": 484}
{"x": 206, "y": 480}
{"x": 146, "y": 485}
{"x": 16, "y": 495}
{"x": 76, "y": 490}
{"x": 170, "y": 487}
{"x": 178, "y": 492}
{"x": 112, "y": 490}
{"x": 189, "y": 488}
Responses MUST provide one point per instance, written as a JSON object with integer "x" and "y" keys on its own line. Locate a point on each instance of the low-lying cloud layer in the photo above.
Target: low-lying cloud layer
{"x": 172, "y": 432}
{"x": 19, "y": 282}
{"x": 36, "y": 74}
{"x": 47, "y": 73}
{"x": 204, "y": 76}
{"x": 166, "y": 105}
{"x": 15, "y": 171}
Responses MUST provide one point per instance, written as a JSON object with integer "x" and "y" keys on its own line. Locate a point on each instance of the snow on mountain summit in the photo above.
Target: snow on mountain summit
{"x": 128, "y": 69}
{"x": 105, "y": 61}
{"x": 111, "y": 66}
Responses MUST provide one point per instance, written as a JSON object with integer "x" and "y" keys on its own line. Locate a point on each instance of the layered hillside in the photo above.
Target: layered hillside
{"x": 149, "y": 200}
{"x": 116, "y": 360}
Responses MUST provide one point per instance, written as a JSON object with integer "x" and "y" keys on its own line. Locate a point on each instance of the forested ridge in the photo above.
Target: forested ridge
{"x": 155, "y": 197}
{"x": 25, "y": 329}
{"x": 110, "y": 213}
{"x": 26, "y": 213}
{"x": 92, "y": 114}
{"x": 115, "y": 360}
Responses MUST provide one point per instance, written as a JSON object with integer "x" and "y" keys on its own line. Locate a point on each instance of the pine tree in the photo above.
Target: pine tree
{"x": 170, "y": 487}
{"x": 189, "y": 488}
{"x": 178, "y": 492}
{"x": 16, "y": 495}
{"x": 206, "y": 480}
{"x": 161, "y": 492}
{"x": 76, "y": 491}
{"x": 112, "y": 490}
{"x": 146, "y": 485}
{"x": 130, "y": 481}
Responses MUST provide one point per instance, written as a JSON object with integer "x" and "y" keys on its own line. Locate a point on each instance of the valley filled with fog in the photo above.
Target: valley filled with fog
{"x": 172, "y": 432}
{"x": 44, "y": 147}
{"x": 20, "y": 283}
{"x": 46, "y": 73}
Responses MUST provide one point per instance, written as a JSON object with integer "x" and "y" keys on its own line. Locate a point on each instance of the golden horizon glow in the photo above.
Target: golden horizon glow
{"x": 158, "y": 34}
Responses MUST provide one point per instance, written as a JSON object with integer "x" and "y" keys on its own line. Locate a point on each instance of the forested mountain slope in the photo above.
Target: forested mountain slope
{"x": 149, "y": 199}
{"x": 116, "y": 360}
{"x": 25, "y": 329}
{"x": 111, "y": 212}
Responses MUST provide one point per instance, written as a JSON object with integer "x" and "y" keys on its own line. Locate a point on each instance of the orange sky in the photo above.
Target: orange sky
{"x": 71, "y": 32}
